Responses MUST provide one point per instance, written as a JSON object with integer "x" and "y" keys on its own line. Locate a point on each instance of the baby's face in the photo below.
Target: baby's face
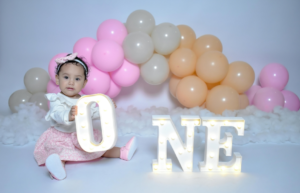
{"x": 71, "y": 80}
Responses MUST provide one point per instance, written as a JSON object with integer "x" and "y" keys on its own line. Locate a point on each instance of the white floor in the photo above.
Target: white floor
{"x": 265, "y": 168}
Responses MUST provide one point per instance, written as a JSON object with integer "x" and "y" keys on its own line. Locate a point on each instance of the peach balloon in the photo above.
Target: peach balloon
{"x": 240, "y": 76}
{"x": 188, "y": 36}
{"x": 207, "y": 43}
{"x": 212, "y": 67}
{"x": 222, "y": 97}
{"x": 212, "y": 85}
{"x": 191, "y": 91}
{"x": 203, "y": 106}
{"x": 183, "y": 62}
{"x": 244, "y": 101}
{"x": 174, "y": 81}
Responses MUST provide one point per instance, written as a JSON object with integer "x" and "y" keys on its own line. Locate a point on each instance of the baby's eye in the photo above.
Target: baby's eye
{"x": 65, "y": 77}
{"x": 77, "y": 79}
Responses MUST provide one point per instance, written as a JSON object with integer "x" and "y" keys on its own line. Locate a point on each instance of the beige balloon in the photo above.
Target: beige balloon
{"x": 207, "y": 43}
{"x": 156, "y": 70}
{"x": 191, "y": 91}
{"x": 183, "y": 62}
{"x": 212, "y": 67}
{"x": 138, "y": 47}
{"x": 36, "y": 80}
{"x": 212, "y": 85}
{"x": 166, "y": 38}
{"x": 244, "y": 101}
{"x": 174, "y": 81}
{"x": 188, "y": 36}
{"x": 140, "y": 20}
{"x": 203, "y": 106}
{"x": 222, "y": 97}
{"x": 40, "y": 100}
{"x": 240, "y": 76}
{"x": 18, "y": 97}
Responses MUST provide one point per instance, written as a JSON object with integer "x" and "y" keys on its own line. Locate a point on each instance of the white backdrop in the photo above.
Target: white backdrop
{"x": 258, "y": 32}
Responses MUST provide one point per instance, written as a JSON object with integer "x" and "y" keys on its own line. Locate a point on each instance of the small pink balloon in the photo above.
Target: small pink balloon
{"x": 56, "y": 90}
{"x": 267, "y": 98}
{"x": 51, "y": 86}
{"x": 251, "y": 92}
{"x": 274, "y": 75}
{"x": 84, "y": 47}
{"x": 98, "y": 82}
{"x": 113, "y": 90}
{"x": 52, "y": 65}
{"x": 126, "y": 75}
{"x": 107, "y": 55}
{"x": 112, "y": 29}
{"x": 291, "y": 100}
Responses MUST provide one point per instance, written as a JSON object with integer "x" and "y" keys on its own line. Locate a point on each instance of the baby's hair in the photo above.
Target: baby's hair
{"x": 85, "y": 67}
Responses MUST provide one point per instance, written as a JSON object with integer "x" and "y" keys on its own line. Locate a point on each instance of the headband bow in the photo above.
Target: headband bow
{"x": 65, "y": 59}
{"x": 71, "y": 57}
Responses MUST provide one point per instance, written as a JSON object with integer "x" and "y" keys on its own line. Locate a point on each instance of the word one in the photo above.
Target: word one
{"x": 184, "y": 151}
{"x": 166, "y": 132}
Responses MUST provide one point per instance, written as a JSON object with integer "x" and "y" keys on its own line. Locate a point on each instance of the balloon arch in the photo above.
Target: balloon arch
{"x": 201, "y": 74}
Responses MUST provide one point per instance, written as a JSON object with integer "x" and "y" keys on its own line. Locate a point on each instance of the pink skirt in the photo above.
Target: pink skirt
{"x": 65, "y": 145}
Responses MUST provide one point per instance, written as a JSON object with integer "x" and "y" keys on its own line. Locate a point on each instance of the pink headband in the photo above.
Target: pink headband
{"x": 65, "y": 59}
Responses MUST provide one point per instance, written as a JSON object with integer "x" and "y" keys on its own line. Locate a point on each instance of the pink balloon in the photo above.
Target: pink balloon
{"x": 126, "y": 75}
{"x": 291, "y": 100}
{"x": 56, "y": 90}
{"x": 52, "y": 65}
{"x": 274, "y": 75}
{"x": 267, "y": 98}
{"x": 112, "y": 29}
{"x": 51, "y": 86}
{"x": 98, "y": 82}
{"x": 113, "y": 90}
{"x": 84, "y": 47}
{"x": 251, "y": 92}
{"x": 107, "y": 55}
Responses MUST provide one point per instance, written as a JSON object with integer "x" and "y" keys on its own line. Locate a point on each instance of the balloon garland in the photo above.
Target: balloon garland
{"x": 201, "y": 74}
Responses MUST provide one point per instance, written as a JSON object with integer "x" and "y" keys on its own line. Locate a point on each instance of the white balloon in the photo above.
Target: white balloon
{"x": 40, "y": 100}
{"x": 138, "y": 47}
{"x": 36, "y": 80}
{"x": 166, "y": 38}
{"x": 140, "y": 20}
{"x": 156, "y": 70}
{"x": 18, "y": 97}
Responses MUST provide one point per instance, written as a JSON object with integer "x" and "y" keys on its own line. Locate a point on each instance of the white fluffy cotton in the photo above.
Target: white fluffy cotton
{"x": 24, "y": 126}
{"x": 280, "y": 126}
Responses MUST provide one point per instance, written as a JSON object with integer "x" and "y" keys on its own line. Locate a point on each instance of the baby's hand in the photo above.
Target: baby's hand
{"x": 72, "y": 113}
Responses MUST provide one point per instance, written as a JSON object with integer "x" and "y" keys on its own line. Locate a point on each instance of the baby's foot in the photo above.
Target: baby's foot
{"x": 128, "y": 150}
{"x": 55, "y": 167}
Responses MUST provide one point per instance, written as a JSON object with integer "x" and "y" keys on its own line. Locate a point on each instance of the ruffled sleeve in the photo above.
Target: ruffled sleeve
{"x": 59, "y": 109}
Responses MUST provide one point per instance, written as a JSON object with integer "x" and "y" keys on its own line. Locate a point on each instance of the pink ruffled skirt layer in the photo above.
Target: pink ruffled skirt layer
{"x": 65, "y": 145}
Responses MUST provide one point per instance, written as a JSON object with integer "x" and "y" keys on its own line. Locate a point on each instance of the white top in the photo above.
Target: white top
{"x": 58, "y": 115}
